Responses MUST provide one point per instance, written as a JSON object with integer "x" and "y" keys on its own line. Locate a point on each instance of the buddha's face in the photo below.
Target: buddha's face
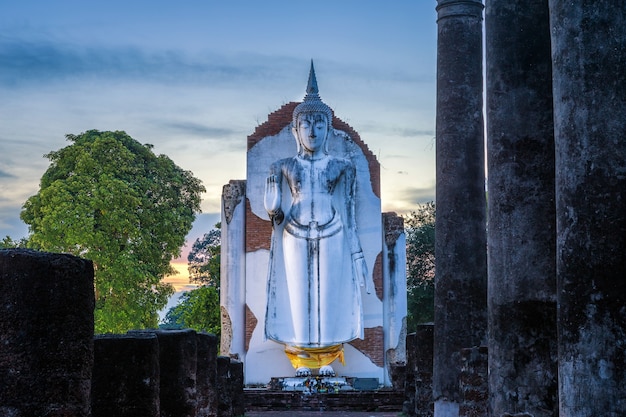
{"x": 312, "y": 130}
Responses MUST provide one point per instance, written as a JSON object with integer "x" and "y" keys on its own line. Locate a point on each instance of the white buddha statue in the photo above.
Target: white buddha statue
{"x": 316, "y": 262}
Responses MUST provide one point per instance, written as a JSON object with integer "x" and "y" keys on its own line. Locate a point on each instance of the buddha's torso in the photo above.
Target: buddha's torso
{"x": 312, "y": 184}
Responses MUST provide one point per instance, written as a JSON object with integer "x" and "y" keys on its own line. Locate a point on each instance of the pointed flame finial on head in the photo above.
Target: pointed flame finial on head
{"x": 311, "y": 88}
{"x": 312, "y": 102}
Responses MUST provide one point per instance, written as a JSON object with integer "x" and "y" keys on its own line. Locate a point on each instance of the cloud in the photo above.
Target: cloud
{"x": 413, "y": 132}
{"x": 417, "y": 195}
{"x": 40, "y": 61}
{"x": 4, "y": 174}
{"x": 36, "y": 61}
{"x": 200, "y": 130}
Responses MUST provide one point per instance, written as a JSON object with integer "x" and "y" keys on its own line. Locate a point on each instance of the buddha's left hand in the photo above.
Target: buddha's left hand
{"x": 359, "y": 269}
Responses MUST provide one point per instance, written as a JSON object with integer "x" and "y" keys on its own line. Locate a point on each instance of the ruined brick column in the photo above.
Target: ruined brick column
{"x": 224, "y": 390}
{"x": 589, "y": 66}
{"x": 460, "y": 248}
{"x": 408, "y": 407}
{"x": 46, "y": 334}
{"x": 236, "y": 388}
{"x": 178, "y": 362}
{"x": 424, "y": 406}
{"x": 206, "y": 374}
{"x": 126, "y": 376}
{"x": 522, "y": 235}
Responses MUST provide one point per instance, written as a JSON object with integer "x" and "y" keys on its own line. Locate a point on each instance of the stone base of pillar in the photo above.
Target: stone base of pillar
{"x": 444, "y": 408}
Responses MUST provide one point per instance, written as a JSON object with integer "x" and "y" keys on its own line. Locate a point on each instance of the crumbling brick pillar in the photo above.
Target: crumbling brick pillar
{"x": 126, "y": 376}
{"x": 461, "y": 241}
{"x": 46, "y": 334}
{"x": 178, "y": 362}
{"x": 206, "y": 375}
{"x": 474, "y": 382}
{"x": 522, "y": 219}
{"x": 236, "y": 387}
{"x": 224, "y": 391}
{"x": 408, "y": 407}
{"x": 424, "y": 364}
{"x": 589, "y": 56}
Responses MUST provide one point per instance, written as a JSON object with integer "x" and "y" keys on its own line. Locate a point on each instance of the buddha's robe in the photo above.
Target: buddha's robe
{"x": 314, "y": 299}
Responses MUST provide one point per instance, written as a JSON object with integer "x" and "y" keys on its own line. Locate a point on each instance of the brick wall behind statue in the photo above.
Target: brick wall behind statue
{"x": 277, "y": 120}
{"x": 258, "y": 231}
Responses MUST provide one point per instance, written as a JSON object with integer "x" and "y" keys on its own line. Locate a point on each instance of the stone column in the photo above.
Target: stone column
{"x": 178, "y": 362}
{"x": 522, "y": 225}
{"x": 46, "y": 334}
{"x": 233, "y": 269}
{"x": 589, "y": 67}
{"x": 236, "y": 388}
{"x": 224, "y": 390}
{"x": 424, "y": 405}
{"x": 206, "y": 374}
{"x": 408, "y": 407}
{"x": 460, "y": 248}
{"x": 126, "y": 376}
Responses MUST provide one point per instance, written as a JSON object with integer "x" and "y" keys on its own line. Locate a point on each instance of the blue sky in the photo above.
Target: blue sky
{"x": 194, "y": 78}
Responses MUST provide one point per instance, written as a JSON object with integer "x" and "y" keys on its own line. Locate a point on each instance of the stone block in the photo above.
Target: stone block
{"x": 178, "y": 362}
{"x": 224, "y": 392}
{"x": 206, "y": 374}
{"x": 236, "y": 386}
{"x": 126, "y": 376}
{"x": 46, "y": 334}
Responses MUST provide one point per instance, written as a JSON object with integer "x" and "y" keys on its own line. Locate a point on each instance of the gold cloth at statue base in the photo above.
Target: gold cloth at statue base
{"x": 314, "y": 357}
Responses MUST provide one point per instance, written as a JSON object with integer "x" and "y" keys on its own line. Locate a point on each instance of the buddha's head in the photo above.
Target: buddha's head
{"x": 312, "y": 119}
{"x": 311, "y": 132}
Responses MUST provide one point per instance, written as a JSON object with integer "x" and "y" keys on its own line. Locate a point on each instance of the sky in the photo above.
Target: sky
{"x": 194, "y": 78}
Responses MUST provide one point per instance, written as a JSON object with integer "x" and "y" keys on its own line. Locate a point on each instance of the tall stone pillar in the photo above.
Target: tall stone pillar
{"x": 394, "y": 298}
{"x": 460, "y": 248}
{"x": 233, "y": 270}
{"x": 522, "y": 235}
{"x": 589, "y": 67}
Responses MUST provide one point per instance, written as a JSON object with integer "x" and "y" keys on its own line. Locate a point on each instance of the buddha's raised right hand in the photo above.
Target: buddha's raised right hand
{"x": 272, "y": 200}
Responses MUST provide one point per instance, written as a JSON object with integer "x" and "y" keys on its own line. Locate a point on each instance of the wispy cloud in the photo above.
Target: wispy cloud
{"x": 417, "y": 195}
{"x": 35, "y": 60}
{"x": 200, "y": 130}
{"x": 27, "y": 61}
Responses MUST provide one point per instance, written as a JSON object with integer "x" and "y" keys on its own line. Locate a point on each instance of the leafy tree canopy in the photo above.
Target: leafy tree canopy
{"x": 420, "y": 254}
{"x": 108, "y": 198}
{"x": 8, "y": 243}
{"x": 204, "y": 259}
{"x": 197, "y": 309}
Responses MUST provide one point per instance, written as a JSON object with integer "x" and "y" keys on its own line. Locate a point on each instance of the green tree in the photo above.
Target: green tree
{"x": 108, "y": 198}
{"x": 420, "y": 270}
{"x": 197, "y": 309}
{"x": 204, "y": 259}
{"x": 8, "y": 243}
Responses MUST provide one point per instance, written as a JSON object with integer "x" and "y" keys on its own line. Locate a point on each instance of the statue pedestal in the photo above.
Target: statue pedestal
{"x": 323, "y": 384}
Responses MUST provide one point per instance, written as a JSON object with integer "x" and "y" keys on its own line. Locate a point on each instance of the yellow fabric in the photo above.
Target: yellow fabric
{"x": 314, "y": 357}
